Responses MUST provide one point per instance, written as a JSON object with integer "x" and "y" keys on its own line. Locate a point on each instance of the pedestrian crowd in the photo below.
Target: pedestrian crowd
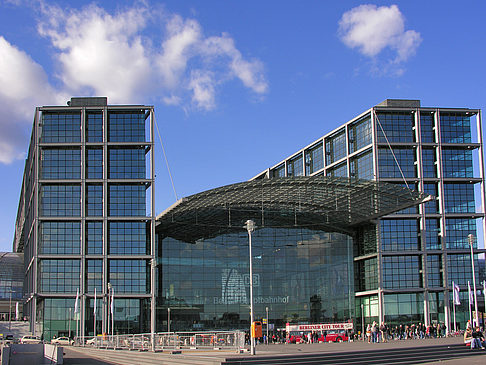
{"x": 382, "y": 333}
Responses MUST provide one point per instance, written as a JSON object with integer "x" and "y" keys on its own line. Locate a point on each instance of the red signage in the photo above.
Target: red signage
{"x": 319, "y": 327}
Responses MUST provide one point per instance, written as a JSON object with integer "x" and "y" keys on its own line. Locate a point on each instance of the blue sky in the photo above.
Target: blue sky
{"x": 237, "y": 85}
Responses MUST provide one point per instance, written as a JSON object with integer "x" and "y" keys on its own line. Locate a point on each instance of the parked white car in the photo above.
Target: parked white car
{"x": 63, "y": 341}
{"x": 30, "y": 339}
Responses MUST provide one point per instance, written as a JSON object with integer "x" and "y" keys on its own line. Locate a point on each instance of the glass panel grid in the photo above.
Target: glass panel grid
{"x": 458, "y": 230}
{"x": 295, "y": 167}
{"x": 459, "y": 198}
{"x": 457, "y": 163}
{"x": 459, "y": 269}
{"x": 455, "y": 128}
{"x": 434, "y": 271}
{"x": 94, "y": 200}
{"x": 60, "y": 200}
{"x": 126, "y": 200}
{"x": 400, "y": 234}
{"x": 360, "y": 134}
{"x": 314, "y": 160}
{"x": 129, "y": 276}
{"x": 57, "y": 238}
{"x": 401, "y": 272}
{"x": 127, "y": 163}
{"x": 94, "y": 127}
{"x": 128, "y": 238}
{"x": 361, "y": 167}
{"x": 57, "y": 163}
{"x": 427, "y": 128}
{"x": 94, "y": 275}
{"x": 429, "y": 168}
{"x": 388, "y": 166}
{"x": 94, "y": 238}
{"x": 60, "y": 127}
{"x": 335, "y": 147}
{"x": 59, "y": 276}
{"x": 94, "y": 163}
{"x": 432, "y": 234}
{"x": 126, "y": 127}
{"x": 398, "y": 127}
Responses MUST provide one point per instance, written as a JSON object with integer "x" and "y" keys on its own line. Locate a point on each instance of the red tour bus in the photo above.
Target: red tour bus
{"x": 327, "y": 332}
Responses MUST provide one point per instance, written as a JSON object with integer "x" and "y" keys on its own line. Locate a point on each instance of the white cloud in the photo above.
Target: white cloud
{"x": 202, "y": 84}
{"x": 23, "y": 85}
{"x": 372, "y": 29}
{"x": 118, "y": 55}
{"x": 111, "y": 54}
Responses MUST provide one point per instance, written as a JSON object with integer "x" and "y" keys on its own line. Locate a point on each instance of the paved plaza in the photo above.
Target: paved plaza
{"x": 274, "y": 353}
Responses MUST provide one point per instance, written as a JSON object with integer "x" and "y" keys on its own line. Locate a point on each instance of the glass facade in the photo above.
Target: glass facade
{"x": 301, "y": 275}
{"x": 83, "y": 151}
{"x": 91, "y": 227}
{"x": 438, "y": 152}
{"x": 11, "y": 283}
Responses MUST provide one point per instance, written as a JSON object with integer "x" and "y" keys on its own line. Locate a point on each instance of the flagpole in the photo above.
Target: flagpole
{"x": 484, "y": 294}
{"x": 112, "y": 312}
{"x": 469, "y": 300}
{"x": 76, "y": 312}
{"x": 94, "y": 312}
{"x": 454, "y": 304}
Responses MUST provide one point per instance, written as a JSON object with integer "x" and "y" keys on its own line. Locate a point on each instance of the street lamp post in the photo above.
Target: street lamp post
{"x": 250, "y": 227}
{"x": 471, "y": 241}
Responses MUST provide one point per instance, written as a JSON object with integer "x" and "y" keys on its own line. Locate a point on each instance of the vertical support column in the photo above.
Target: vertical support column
{"x": 379, "y": 258}
{"x": 35, "y": 241}
{"x": 82, "y": 271}
{"x": 440, "y": 189}
{"x": 104, "y": 321}
{"x": 422, "y": 225}
{"x": 481, "y": 172}
{"x": 153, "y": 262}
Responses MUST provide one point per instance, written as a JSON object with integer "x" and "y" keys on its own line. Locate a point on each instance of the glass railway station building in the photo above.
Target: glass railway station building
{"x": 339, "y": 234}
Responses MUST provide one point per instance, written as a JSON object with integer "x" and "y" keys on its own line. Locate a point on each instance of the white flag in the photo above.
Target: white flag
{"x": 484, "y": 289}
{"x": 455, "y": 294}
{"x": 112, "y": 299}
{"x": 76, "y": 304}
{"x": 471, "y": 297}
{"x": 17, "y": 311}
{"x": 94, "y": 307}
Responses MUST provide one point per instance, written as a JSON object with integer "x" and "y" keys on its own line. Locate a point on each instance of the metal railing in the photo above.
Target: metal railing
{"x": 166, "y": 340}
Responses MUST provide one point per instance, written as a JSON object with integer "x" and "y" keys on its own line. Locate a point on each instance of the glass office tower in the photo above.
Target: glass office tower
{"x": 86, "y": 219}
{"x": 405, "y": 268}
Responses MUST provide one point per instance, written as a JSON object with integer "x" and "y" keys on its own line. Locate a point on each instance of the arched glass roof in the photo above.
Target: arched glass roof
{"x": 325, "y": 203}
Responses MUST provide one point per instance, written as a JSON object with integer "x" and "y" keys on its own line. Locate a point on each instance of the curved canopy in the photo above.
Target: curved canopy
{"x": 326, "y": 203}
